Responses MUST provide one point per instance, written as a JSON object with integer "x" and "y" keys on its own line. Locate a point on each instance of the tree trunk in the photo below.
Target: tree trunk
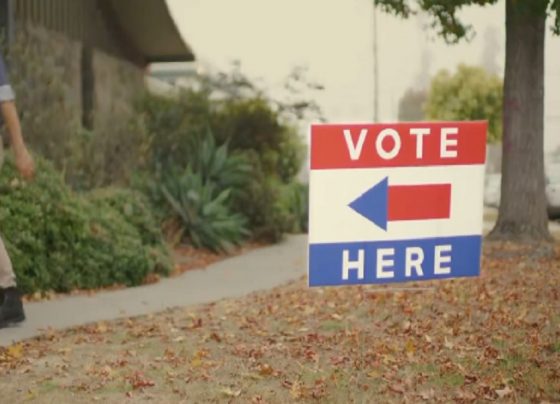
{"x": 522, "y": 214}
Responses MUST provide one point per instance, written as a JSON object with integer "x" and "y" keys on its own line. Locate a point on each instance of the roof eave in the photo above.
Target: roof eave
{"x": 152, "y": 30}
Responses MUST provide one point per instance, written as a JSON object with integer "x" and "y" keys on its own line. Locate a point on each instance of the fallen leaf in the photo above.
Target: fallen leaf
{"x": 295, "y": 390}
{"x": 504, "y": 392}
{"x": 230, "y": 393}
{"x": 397, "y": 388}
{"x": 409, "y": 347}
{"x": 15, "y": 351}
{"x": 266, "y": 370}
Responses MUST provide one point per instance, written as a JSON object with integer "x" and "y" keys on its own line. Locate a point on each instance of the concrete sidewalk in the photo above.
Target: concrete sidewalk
{"x": 257, "y": 270}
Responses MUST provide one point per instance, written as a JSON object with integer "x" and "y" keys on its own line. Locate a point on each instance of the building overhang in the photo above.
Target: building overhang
{"x": 150, "y": 28}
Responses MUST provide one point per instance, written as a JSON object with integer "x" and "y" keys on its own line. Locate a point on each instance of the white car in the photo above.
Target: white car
{"x": 492, "y": 187}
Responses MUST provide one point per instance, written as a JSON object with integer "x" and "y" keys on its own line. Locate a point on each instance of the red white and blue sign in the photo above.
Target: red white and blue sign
{"x": 395, "y": 202}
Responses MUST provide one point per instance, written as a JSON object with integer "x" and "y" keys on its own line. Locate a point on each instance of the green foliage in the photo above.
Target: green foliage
{"x": 249, "y": 124}
{"x": 445, "y": 18}
{"x": 274, "y": 208}
{"x": 99, "y": 158}
{"x": 245, "y": 124}
{"x": 217, "y": 165}
{"x": 411, "y": 105}
{"x": 199, "y": 197}
{"x": 203, "y": 210}
{"x": 555, "y": 9}
{"x": 136, "y": 209}
{"x": 263, "y": 207}
{"x": 172, "y": 125}
{"x": 469, "y": 94}
{"x": 295, "y": 200}
{"x": 252, "y": 125}
{"x": 59, "y": 240}
{"x": 246, "y": 128}
{"x": 276, "y": 153}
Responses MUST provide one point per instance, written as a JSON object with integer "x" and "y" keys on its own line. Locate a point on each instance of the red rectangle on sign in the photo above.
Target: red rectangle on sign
{"x": 419, "y": 202}
{"x": 398, "y": 145}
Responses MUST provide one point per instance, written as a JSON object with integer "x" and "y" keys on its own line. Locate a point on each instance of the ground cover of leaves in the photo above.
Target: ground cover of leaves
{"x": 493, "y": 338}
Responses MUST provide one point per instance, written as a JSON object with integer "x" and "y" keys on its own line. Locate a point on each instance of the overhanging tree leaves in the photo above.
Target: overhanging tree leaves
{"x": 522, "y": 215}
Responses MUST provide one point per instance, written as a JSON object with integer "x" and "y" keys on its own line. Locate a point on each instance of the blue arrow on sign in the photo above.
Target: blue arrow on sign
{"x": 383, "y": 203}
{"x": 372, "y": 204}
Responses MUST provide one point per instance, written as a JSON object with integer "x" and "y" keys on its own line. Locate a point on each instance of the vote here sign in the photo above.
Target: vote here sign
{"x": 395, "y": 202}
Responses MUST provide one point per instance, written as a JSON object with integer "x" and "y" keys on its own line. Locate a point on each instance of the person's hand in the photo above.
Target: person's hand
{"x": 24, "y": 163}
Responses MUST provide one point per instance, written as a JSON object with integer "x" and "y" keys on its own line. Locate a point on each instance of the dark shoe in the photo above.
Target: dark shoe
{"x": 11, "y": 310}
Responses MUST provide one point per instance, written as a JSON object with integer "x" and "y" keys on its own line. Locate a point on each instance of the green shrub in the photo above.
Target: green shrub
{"x": 262, "y": 206}
{"x": 172, "y": 125}
{"x": 295, "y": 200}
{"x": 248, "y": 124}
{"x": 105, "y": 156}
{"x": 252, "y": 124}
{"x": 469, "y": 94}
{"x": 59, "y": 240}
{"x": 135, "y": 207}
{"x": 247, "y": 128}
{"x": 243, "y": 124}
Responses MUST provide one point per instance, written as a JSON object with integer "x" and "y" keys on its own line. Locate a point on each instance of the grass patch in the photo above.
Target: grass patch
{"x": 448, "y": 380}
{"x": 333, "y": 325}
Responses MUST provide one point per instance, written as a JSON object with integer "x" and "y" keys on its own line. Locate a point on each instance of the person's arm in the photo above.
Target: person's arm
{"x": 24, "y": 161}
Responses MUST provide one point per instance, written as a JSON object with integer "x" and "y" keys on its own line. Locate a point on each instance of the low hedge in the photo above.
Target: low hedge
{"x": 61, "y": 240}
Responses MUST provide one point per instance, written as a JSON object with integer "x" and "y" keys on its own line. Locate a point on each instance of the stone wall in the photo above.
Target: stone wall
{"x": 47, "y": 72}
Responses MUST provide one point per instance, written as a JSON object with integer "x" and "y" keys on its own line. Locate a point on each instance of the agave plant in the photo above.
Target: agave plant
{"x": 218, "y": 165}
{"x": 204, "y": 211}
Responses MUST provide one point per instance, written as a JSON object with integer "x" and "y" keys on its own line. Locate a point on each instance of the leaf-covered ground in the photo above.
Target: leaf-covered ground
{"x": 496, "y": 337}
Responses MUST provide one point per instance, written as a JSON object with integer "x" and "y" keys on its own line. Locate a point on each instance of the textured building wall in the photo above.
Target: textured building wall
{"x": 117, "y": 85}
{"x": 56, "y": 91}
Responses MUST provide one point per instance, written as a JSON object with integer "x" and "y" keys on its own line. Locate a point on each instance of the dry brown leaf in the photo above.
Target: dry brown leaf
{"x": 15, "y": 351}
